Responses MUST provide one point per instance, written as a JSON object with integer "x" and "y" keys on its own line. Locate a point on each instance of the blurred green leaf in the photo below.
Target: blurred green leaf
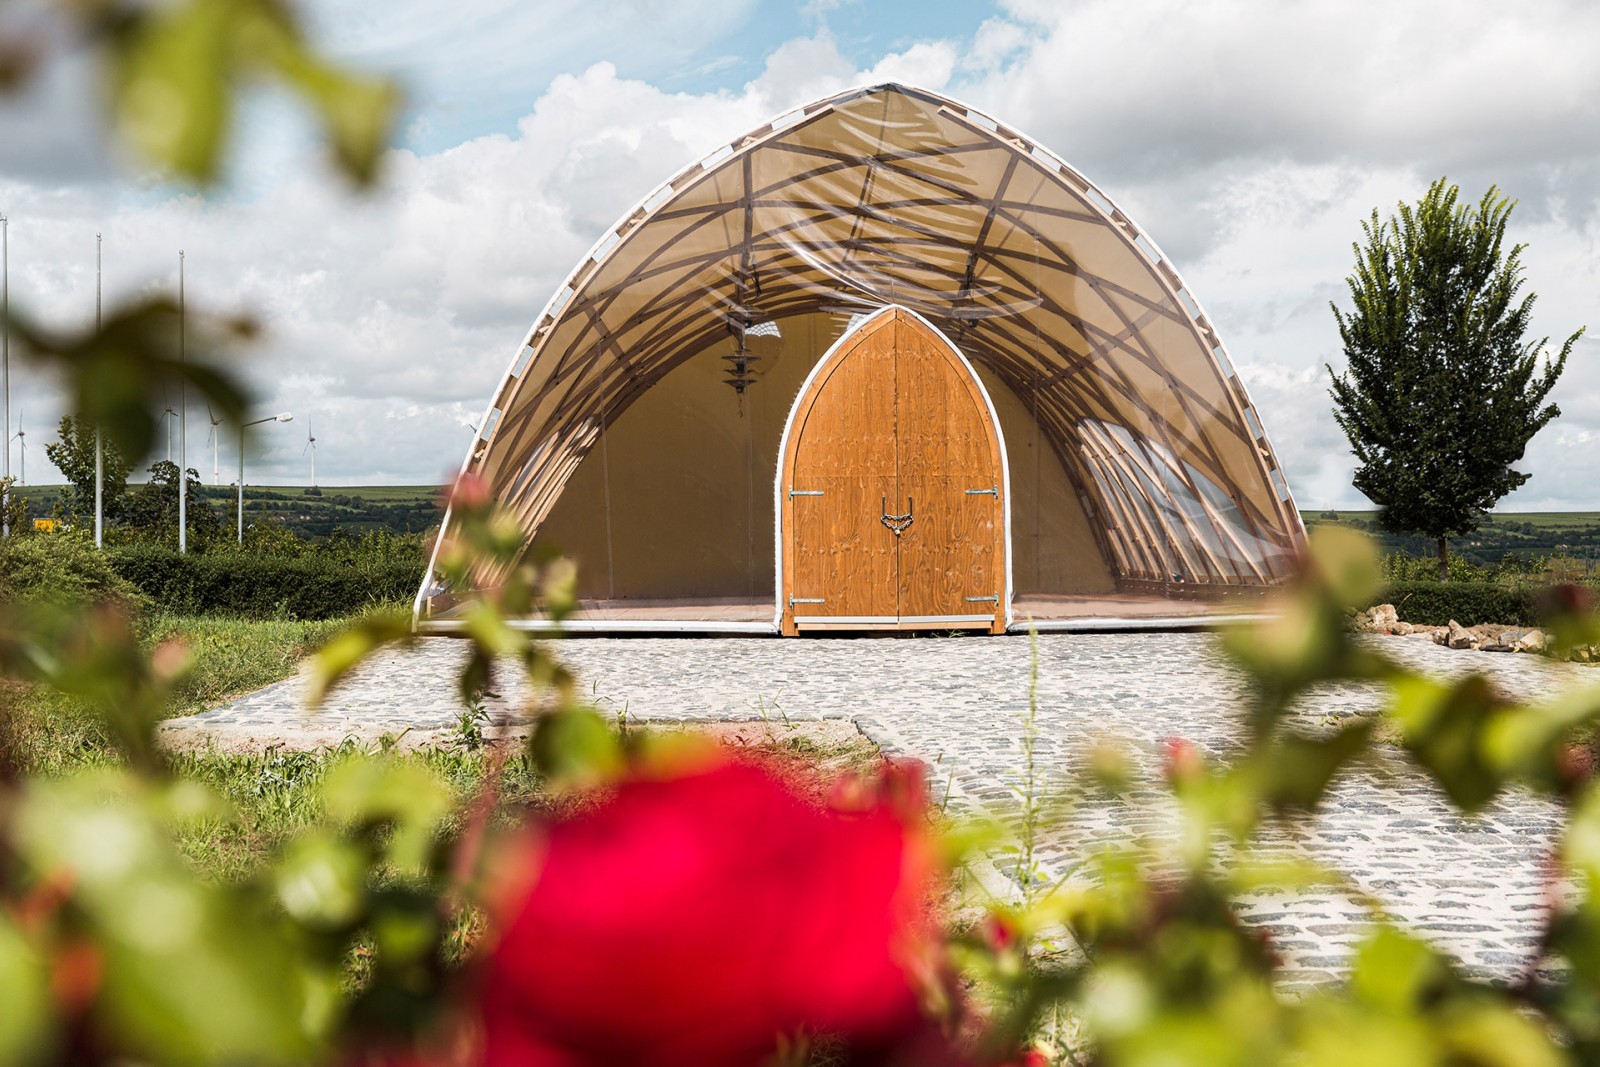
{"x": 1333, "y": 1033}
{"x": 119, "y": 377}
{"x": 352, "y": 647}
{"x": 1479, "y": 1030}
{"x": 322, "y": 880}
{"x": 1295, "y": 771}
{"x": 25, "y": 1016}
{"x": 1445, "y": 724}
{"x": 1580, "y": 846}
{"x": 190, "y": 972}
{"x": 173, "y": 86}
{"x": 94, "y": 656}
{"x": 1570, "y": 614}
{"x": 406, "y": 929}
{"x": 177, "y": 69}
{"x": 576, "y": 748}
{"x": 1396, "y": 972}
{"x": 1535, "y": 741}
{"x": 1346, "y": 564}
{"x": 407, "y": 796}
{"x": 358, "y": 113}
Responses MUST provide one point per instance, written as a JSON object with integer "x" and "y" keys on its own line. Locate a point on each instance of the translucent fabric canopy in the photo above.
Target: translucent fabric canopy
{"x": 896, "y": 195}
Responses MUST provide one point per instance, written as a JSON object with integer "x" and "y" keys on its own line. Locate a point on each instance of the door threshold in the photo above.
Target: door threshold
{"x": 893, "y": 622}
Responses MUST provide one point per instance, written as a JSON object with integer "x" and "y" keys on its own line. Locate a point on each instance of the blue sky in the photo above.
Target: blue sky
{"x": 711, "y": 55}
{"x": 1249, "y": 139}
{"x": 476, "y": 74}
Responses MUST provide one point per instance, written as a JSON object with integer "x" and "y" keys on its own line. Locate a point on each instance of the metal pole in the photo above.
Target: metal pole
{"x": 5, "y": 363}
{"x": 183, "y": 429}
{"x": 99, "y": 445}
{"x": 241, "y": 483}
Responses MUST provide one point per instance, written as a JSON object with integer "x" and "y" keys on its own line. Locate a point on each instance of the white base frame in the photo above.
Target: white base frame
{"x": 602, "y": 627}
{"x": 1132, "y": 623}
{"x": 609, "y": 626}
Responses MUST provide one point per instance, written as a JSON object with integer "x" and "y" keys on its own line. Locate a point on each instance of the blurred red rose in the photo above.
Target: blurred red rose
{"x": 702, "y": 920}
{"x": 1184, "y": 761}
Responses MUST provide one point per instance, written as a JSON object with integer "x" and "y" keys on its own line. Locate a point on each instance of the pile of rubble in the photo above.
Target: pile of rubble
{"x": 1485, "y": 637}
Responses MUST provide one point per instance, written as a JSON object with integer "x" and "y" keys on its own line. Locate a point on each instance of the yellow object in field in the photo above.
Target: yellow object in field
{"x": 46, "y": 525}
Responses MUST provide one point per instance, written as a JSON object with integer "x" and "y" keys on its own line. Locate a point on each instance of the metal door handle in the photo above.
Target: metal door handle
{"x": 898, "y": 523}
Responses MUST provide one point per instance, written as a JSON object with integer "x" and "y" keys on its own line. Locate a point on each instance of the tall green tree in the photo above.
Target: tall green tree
{"x": 151, "y": 512}
{"x": 73, "y": 454}
{"x": 1443, "y": 389}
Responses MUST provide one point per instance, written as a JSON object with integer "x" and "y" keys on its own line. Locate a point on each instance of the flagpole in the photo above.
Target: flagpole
{"x": 99, "y": 445}
{"x": 183, "y": 428}
{"x": 5, "y": 363}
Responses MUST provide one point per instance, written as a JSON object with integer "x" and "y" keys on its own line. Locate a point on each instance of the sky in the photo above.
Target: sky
{"x": 1249, "y": 139}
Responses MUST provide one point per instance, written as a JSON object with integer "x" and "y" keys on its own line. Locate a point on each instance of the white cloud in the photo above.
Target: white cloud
{"x": 1249, "y": 139}
{"x": 1252, "y": 139}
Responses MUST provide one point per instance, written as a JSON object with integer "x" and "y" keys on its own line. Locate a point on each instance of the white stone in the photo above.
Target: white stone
{"x": 1458, "y": 636}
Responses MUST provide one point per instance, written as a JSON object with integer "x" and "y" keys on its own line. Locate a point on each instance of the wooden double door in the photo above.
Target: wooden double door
{"x": 891, "y": 488}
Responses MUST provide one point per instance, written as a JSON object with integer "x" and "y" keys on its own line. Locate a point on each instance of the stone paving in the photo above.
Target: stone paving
{"x": 1475, "y": 886}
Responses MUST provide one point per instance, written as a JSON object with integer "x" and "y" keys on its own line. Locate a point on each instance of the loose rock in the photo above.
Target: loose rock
{"x": 1383, "y": 618}
{"x": 1458, "y": 636}
{"x": 1532, "y": 641}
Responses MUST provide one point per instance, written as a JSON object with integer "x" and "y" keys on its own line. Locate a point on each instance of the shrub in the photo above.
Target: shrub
{"x": 259, "y": 586}
{"x": 1400, "y": 567}
{"x": 1469, "y": 603}
{"x": 62, "y": 570}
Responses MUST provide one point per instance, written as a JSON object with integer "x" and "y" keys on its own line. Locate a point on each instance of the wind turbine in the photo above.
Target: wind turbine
{"x": 21, "y": 437}
{"x": 311, "y": 447}
{"x": 216, "y": 467}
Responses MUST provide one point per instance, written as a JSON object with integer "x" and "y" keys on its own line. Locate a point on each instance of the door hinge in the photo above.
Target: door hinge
{"x": 793, "y": 492}
{"x": 993, "y": 491}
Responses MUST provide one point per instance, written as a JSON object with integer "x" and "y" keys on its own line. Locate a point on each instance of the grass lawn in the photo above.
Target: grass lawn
{"x": 276, "y": 794}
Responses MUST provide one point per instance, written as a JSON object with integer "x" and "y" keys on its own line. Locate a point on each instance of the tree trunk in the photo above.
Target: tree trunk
{"x": 1444, "y": 561}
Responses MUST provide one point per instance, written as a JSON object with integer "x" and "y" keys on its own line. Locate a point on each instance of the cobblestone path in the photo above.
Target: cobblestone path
{"x": 1474, "y": 886}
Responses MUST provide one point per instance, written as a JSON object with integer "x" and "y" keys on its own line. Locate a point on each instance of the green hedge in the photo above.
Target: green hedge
{"x": 1469, "y": 603}
{"x": 60, "y": 570}
{"x": 261, "y": 586}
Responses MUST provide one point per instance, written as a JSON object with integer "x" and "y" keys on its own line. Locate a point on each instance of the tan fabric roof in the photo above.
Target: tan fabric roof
{"x": 892, "y": 194}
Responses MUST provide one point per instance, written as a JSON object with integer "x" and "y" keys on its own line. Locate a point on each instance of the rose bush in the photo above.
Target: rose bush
{"x": 717, "y": 918}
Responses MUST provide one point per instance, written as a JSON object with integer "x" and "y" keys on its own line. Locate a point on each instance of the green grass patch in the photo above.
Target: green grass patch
{"x": 274, "y": 795}
{"x": 233, "y": 656}
{"x": 51, "y": 734}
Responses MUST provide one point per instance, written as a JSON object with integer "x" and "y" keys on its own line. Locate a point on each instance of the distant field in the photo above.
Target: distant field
{"x": 1552, "y": 520}
{"x": 1524, "y": 534}
{"x": 397, "y": 508}
{"x": 423, "y": 493}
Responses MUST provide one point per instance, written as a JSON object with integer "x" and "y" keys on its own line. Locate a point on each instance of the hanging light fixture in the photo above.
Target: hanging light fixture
{"x": 741, "y": 364}
{"x": 741, "y": 376}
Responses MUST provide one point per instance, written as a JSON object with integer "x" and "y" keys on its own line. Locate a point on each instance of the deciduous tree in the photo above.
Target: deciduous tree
{"x": 152, "y": 508}
{"x": 73, "y": 453}
{"x": 1443, "y": 388}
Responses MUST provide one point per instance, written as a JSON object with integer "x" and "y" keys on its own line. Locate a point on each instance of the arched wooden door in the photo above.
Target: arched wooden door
{"x": 891, "y": 488}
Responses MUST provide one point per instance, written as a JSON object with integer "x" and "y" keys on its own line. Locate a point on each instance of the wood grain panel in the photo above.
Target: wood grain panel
{"x": 946, "y": 445}
{"x": 844, "y": 447}
{"x": 894, "y": 416}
